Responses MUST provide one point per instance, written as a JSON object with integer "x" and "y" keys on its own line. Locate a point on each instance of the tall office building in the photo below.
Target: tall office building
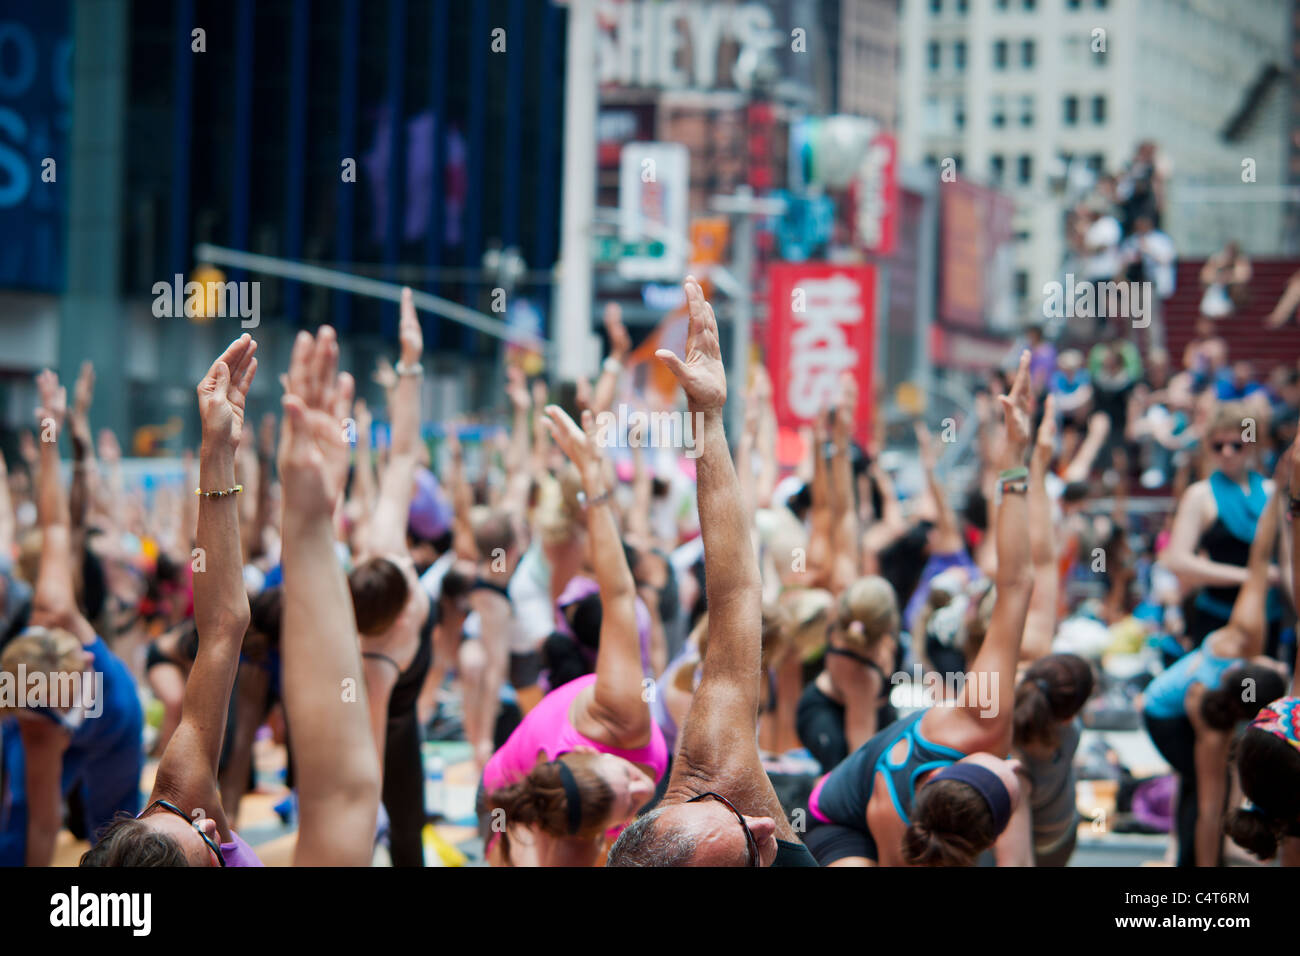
{"x": 403, "y": 140}
{"x": 1016, "y": 92}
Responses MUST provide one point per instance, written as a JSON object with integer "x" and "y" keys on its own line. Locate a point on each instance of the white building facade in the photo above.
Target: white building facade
{"x": 1008, "y": 90}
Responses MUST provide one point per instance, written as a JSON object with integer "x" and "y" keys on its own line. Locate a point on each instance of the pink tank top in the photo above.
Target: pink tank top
{"x": 547, "y": 729}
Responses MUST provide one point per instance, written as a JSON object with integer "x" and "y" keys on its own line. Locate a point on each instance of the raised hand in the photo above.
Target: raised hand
{"x": 384, "y": 375}
{"x": 314, "y": 452}
{"x": 361, "y": 414}
{"x": 409, "y": 332}
{"x": 110, "y": 452}
{"x": 580, "y": 446}
{"x": 452, "y": 442}
{"x": 845, "y": 410}
{"x": 1016, "y": 412}
{"x": 54, "y": 403}
{"x": 925, "y": 447}
{"x": 27, "y": 446}
{"x": 223, "y": 393}
{"x": 266, "y": 437}
{"x": 620, "y": 343}
{"x": 83, "y": 392}
{"x": 517, "y": 389}
{"x": 761, "y": 387}
{"x": 1045, "y": 445}
{"x": 701, "y": 374}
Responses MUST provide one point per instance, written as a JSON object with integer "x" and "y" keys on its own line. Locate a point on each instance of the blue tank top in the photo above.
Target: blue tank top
{"x": 843, "y": 795}
{"x": 1166, "y": 695}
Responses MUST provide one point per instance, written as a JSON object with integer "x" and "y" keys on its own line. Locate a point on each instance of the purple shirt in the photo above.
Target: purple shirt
{"x": 936, "y": 565}
{"x": 581, "y": 587}
{"x": 239, "y": 853}
{"x": 1042, "y": 363}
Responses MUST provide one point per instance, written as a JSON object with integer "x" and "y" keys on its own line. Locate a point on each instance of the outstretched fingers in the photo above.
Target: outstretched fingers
{"x": 1047, "y": 427}
{"x": 295, "y": 383}
{"x": 345, "y": 389}
{"x": 324, "y": 368}
{"x": 565, "y": 430}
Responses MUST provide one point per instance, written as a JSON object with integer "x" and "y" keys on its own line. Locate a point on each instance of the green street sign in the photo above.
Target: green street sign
{"x": 610, "y": 249}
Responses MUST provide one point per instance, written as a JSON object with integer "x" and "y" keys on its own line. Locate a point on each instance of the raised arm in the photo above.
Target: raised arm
{"x": 462, "y": 501}
{"x": 819, "y": 512}
{"x": 761, "y": 397}
{"x": 947, "y": 533}
{"x": 1194, "y": 570}
{"x": 639, "y": 531}
{"x": 1000, "y": 651}
{"x": 1080, "y": 466}
{"x": 324, "y": 692}
{"x": 7, "y": 522}
{"x": 616, "y": 703}
{"x": 54, "y": 602}
{"x": 256, "y": 546}
{"x": 1249, "y": 610}
{"x": 846, "y": 559}
{"x": 188, "y": 770}
{"x": 718, "y": 739}
{"x": 387, "y": 531}
{"x": 363, "y": 482}
{"x": 1040, "y": 622}
{"x": 518, "y": 477}
{"x": 1293, "y": 514}
{"x": 83, "y": 487}
{"x": 620, "y": 343}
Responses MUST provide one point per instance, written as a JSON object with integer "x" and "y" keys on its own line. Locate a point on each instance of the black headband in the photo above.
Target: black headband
{"x": 987, "y": 784}
{"x": 572, "y": 798}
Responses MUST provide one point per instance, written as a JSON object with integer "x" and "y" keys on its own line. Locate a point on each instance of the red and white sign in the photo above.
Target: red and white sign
{"x": 821, "y": 324}
{"x": 875, "y": 197}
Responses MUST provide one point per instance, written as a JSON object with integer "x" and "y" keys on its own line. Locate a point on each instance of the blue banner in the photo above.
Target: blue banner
{"x": 35, "y": 122}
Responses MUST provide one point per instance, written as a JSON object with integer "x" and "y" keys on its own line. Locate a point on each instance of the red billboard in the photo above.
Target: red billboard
{"x": 873, "y": 197}
{"x": 975, "y": 249}
{"x": 821, "y": 323}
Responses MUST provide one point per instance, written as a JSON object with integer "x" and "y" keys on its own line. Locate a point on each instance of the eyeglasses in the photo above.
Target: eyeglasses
{"x": 751, "y": 844}
{"x": 1222, "y": 446}
{"x": 172, "y": 808}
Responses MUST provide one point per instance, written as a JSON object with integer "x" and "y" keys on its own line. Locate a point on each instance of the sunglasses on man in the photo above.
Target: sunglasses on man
{"x": 751, "y": 843}
{"x": 172, "y": 808}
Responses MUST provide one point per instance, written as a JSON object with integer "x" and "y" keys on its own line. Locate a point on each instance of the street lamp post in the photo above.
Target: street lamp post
{"x": 742, "y": 207}
{"x": 571, "y": 304}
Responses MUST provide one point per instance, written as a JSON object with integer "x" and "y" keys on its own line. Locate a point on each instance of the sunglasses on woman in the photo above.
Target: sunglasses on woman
{"x": 751, "y": 844}
{"x": 172, "y": 808}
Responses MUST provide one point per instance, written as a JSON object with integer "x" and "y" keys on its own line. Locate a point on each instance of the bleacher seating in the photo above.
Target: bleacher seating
{"x": 1244, "y": 331}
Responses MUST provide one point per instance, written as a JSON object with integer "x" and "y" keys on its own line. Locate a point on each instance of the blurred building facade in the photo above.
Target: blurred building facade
{"x": 1032, "y": 95}
{"x": 402, "y": 140}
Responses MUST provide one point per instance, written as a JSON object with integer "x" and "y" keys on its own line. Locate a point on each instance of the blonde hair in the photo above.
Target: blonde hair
{"x": 42, "y": 649}
{"x": 29, "y": 555}
{"x": 867, "y": 612}
{"x": 775, "y": 643}
{"x": 977, "y": 625}
{"x": 559, "y": 514}
{"x": 1228, "y": 417}
{"x": 808, "y": 610}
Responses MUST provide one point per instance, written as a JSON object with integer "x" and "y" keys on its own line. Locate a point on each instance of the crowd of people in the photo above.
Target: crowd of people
{"x": 632, "y": 635}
